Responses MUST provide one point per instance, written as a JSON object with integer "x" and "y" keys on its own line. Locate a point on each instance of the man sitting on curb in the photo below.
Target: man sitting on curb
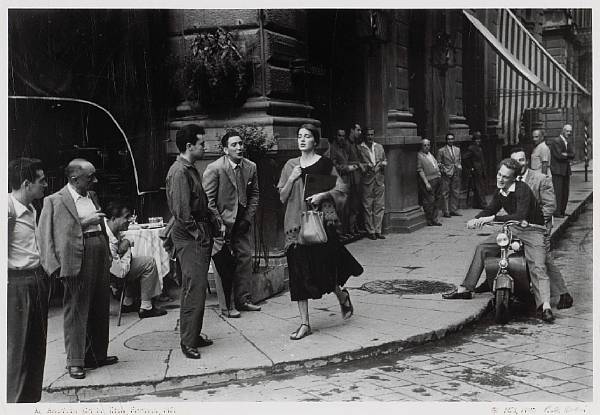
{"x": 520, "y": 204}
{"x": 133, "y": 268}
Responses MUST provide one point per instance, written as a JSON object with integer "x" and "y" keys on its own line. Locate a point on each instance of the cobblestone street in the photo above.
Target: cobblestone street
{"x": 524, "y": 361}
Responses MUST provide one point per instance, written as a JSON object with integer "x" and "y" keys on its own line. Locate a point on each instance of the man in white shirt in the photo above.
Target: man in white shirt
{"x": 27, "y": 288}
{"x": 560, "y": 163}
{"x": 74, "y": 246}
{"x": 540, "y": 157}
{"x": 125, "y": 266}
{"x": 372, "y": 155}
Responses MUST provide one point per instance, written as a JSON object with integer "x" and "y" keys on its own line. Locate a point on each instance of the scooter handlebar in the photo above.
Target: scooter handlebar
{"x": 520, "y": 223}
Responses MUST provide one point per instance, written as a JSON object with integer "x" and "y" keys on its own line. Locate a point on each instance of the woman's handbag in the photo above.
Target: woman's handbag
{"x": 312, "y": 230}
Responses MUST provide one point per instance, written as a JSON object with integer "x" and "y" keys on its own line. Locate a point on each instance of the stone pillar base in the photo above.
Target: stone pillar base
{"x": 404, "y": 221}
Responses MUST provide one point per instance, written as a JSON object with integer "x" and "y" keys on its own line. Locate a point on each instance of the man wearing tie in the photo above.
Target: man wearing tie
{"x": 450, "y": 166}
{"x": 73, "y": 244}
{"x": 231, "y": 185}
{"x": 561, "y": 154}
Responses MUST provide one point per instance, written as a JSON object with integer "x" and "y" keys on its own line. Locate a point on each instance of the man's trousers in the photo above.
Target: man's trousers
{"x": 557, "y": 282}
{"x": 373, "y": 202}
{"x": 241, "y": 245}
{"x": 535, "y": 256}
{"x": 86, "y": 305}
{"x": 26, "y": 324}
{"x": 479, "y": 191}
{"x": 431, "y": 200}
{"x": 561, "y": 192}
{"x": 193, "y": 256}
{"x": 144, "y": 269}
{"x": 451, "y": 192}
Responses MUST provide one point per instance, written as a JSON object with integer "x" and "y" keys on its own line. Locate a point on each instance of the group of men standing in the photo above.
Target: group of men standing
{"x": 361, "y": 162}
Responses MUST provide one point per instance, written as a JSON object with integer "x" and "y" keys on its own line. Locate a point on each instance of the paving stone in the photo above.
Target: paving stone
{"x": 415, "y": 375}
{"x": 538, "y": 349}
{"x": 541, "y": 396}
{"x": 583, "y": 395}
{"x": 570, "y": 356}
{"x": 541, "y": 365}
{"x": 467, "y": 392}
{"x": 566, "y": 387}
{"x": 586, "y": 380}
{"x": 508, "y": 358}
{"x": 393, "y": 397}
{"x": 570, "y": 373}
{"x": 423, "y": 393}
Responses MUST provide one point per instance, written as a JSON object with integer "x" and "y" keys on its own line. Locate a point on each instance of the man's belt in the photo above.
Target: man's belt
{"x": 91, "y": 234}
{"x": 22, "y": 272}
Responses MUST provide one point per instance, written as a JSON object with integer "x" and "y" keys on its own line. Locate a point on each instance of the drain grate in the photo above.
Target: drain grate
{"x": 400, "y": 287}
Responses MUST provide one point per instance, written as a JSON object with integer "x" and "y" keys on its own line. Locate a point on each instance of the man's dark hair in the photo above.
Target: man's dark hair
{"x": 517, "y": 150}
{"x": 188, "y": 134}
{"x": 313, "y": 129}
{"x": 353, "y": 126}
{"x": 370, "y": 129}
{"x": 227, "y": 136}
{"x": 115, "y": 208}
{"x": 333, "y": 139}
{"x": 22, "y": 169}
{"x": 511, "y": 164}
{"x": 448, "y": 135}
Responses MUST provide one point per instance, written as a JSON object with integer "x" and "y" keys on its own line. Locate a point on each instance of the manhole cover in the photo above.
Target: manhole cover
{"x": 406, "y": 287}
{"x": 154, "y": 341}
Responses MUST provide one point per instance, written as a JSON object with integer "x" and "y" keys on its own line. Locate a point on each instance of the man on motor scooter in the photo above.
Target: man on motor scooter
{"x": 520, "y": 204}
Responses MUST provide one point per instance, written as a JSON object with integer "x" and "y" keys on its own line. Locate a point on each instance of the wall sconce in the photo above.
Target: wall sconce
{"x": 444, "y": 52}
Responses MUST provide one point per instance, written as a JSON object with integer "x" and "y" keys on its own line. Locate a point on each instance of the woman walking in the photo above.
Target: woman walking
{"x": 318, "y": 269}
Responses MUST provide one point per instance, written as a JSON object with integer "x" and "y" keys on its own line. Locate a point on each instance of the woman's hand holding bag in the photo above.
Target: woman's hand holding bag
{"x": 312, "y": 228}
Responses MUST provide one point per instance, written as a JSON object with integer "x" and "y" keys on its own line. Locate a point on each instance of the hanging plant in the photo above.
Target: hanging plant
{"x": 216, "y": 73}
{"x": 256, "y": 141}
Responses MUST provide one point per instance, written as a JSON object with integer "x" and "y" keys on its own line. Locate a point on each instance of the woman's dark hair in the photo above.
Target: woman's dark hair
{"x": 188, "y": 134}
{"x": 22, "y": 169}
{"x": 313, "y": 129}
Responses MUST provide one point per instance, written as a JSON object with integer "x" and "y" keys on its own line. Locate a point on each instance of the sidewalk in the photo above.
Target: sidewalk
{"x": 397, "y": 303}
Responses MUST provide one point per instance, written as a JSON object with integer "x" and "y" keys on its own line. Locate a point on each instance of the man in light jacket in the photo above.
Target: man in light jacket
{"x": 451, "y": 168}
{"x": 372, "y": 156}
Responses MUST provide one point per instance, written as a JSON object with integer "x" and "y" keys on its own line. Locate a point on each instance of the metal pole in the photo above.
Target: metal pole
{"x": 585, "y": 150}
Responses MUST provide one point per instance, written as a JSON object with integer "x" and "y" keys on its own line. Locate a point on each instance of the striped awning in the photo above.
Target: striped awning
{"x": 528, "y": 76}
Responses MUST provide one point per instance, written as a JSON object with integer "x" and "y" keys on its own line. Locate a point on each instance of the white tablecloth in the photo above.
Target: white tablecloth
{"x": 147, "y": 243}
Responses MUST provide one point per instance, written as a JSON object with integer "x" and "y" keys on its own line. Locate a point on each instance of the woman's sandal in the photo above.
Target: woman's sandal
{"x": 347, "y": 310}
{"x": 297, "y": 336}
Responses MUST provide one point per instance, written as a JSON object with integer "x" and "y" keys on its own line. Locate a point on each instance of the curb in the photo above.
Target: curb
{"x": 122, "y": 390}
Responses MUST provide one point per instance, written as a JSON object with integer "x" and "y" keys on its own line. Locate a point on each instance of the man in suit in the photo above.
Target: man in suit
{"x": 475, "y": 164}
{"x": 372, "y": 156}
{"x": 27, "y": 288}
{"x": 191, "y": 234}
{"x": 231, "y": 185}
{"x": 357, "y": 217}
{"x": 561, "y": 154}
{"x": 74, "y": 245}
{"x": 430, "y": 183}
{"x": 542, "y": 189}
{"x": 449, "y": 161}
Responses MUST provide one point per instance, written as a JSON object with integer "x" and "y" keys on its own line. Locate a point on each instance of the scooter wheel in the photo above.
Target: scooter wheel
{"x": 501, "y": 303}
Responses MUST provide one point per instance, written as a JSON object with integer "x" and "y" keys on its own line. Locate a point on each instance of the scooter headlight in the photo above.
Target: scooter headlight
{"x": 503, "y": 263}
{"x": 502, "y": 239}
{"x": 515, "y": 245}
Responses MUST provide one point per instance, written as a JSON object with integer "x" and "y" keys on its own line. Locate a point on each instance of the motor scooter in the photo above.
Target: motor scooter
{"x": 508, "y": 275}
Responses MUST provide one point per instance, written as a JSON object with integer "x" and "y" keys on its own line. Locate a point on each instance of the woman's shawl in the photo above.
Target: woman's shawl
{"x": 295, "y": 203}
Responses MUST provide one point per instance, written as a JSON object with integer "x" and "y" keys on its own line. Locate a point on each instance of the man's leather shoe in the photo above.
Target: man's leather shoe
{"x": 547, "y": 315}
{"x": 446, "y": 215}
{"x": 190, "y": 352}
{"x": 153, "y": 312}
{"x": 249, "y": 307}
{"x": 204, "y": 341}
{"x": 233, "y": 313}
{"x": 109, "y": 360}
{"x": 455, "y": 214}
{"x": 379, "y": 236}
{"x": 435, "y": 223}
{"x": 372, "y": 236}
{"x": 76, "y": 372}
{"x": 484, "y": 287}
{"x": 455, "y": 295}
{"x": 129, "y": 308}
{"x": 565, "y": 301}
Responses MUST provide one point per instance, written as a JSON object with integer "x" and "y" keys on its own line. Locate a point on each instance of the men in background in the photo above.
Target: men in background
{"x": 27, "y": 288}
{"x": 73, "y": 243}
{"x": 131, "y": 269}
{"x": 540, "y": 158}
{"x": 191, "y": 235}
{"x": 430, "y": 183}
{"x": 475, "y": 164}
{"x": 449, "y": 161}
{"x": 338, "y": 152}
{"x": 373, "y": 158}
{"x": 231, "y": 186}
{"x": 543, "y": 191}
{"x": 517, "y": 200}
{"x": 357, "y": 225}
{"x": 561, "y": 155}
